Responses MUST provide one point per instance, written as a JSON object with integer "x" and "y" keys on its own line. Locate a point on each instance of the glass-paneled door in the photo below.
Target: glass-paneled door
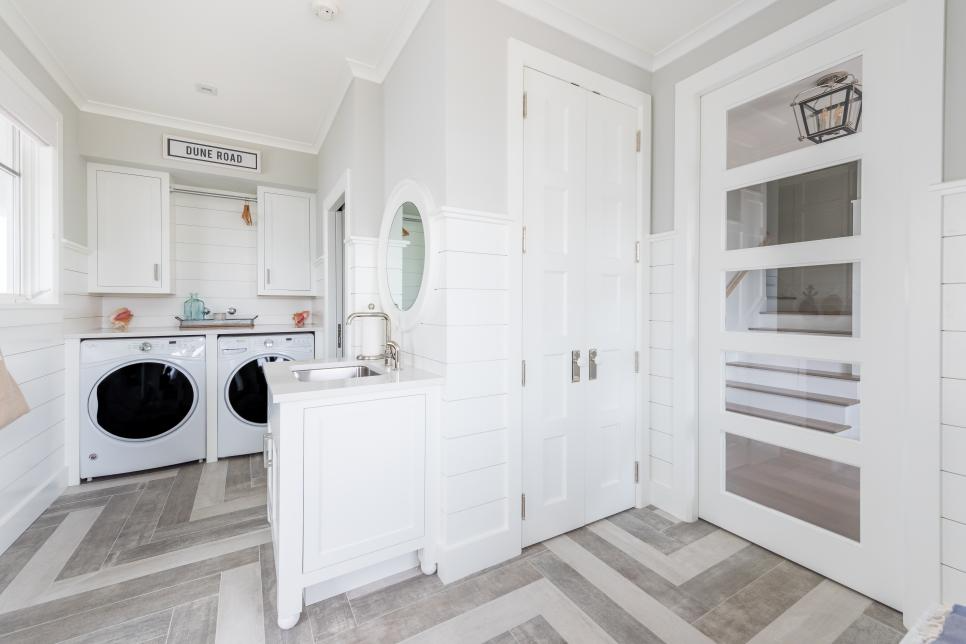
{"x": 801, "y": 367}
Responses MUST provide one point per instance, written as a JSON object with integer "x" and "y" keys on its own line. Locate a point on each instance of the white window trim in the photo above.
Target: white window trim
{"x": 33, "y": 112}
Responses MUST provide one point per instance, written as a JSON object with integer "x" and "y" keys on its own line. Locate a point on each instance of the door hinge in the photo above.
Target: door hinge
{"x": 523, "y": 507}
{"x": 637, "y": 252}
{"x": 523, "y": 242}
{"x": 638, "y": 140}
{"x": 524, "y": 105}
{"x": 637, "y": 362}
{"x": 523, "y": 373}
{"x": 637, "y": 471}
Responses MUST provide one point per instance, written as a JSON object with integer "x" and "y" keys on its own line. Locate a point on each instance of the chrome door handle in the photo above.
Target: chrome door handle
{"x": 575, "y": 365}
{"x": 157, "y": 272}
{"x": 268, "y": 276}
{"x": 592, "y": 369}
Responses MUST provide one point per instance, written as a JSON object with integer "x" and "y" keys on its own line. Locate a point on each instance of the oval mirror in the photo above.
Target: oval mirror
{"x": 406, "y": 256}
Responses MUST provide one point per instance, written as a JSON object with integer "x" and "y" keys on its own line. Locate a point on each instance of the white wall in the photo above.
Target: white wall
{"x": 214, "y": 256}
{"x": 955, "y": 154}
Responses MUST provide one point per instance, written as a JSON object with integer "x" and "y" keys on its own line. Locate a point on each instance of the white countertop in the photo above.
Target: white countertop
{"x": 283, "y": 386}
{"x": 173, "y": 331}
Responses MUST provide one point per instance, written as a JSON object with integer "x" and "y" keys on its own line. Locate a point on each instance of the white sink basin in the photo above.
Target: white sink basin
{"x": 323, "y": 374}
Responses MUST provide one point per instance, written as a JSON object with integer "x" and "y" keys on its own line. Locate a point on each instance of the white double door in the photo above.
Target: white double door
{"x": 580, "y": 307}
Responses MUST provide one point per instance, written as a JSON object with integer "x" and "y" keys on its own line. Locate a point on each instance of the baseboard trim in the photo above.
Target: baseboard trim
{"x": 20, "y": 518}
{"x": 468, "y": 557}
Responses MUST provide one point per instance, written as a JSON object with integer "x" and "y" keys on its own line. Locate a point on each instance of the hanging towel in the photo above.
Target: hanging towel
{"x": 12, "y": 403}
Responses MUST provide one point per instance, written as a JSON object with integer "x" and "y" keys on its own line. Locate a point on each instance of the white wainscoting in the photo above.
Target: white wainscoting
{"x": 464, "y": 334}
{"x": 661, "y": 370}
{"x": 953, "y": 394}
{"x": 33, "y": 469}
{"x": 215, "y": 256}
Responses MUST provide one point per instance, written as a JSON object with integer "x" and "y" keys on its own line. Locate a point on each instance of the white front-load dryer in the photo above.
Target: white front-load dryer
{"x": 142, "y": 404}
{"x": 243, "y": 393}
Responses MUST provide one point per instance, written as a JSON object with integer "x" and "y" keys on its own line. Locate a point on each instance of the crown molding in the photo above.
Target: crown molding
{"x": 329, "y": 119}
{"x": 571, "y": 25}
{"x": 708, "y": 30}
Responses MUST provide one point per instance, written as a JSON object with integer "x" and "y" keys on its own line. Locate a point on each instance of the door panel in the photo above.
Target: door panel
{"x": 611, "y": 306}
{"x": 555, "y": 144}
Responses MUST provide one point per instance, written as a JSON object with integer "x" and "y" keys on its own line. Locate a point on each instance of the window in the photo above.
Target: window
{"x": 27, "y": 222}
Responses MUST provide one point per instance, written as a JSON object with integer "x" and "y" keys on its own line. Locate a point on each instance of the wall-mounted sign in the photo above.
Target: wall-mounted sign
{"x": 211, "y": 154}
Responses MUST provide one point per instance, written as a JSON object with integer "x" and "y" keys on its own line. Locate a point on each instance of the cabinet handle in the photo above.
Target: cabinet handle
{"x": 157, "y": 272}
{"x": 268, "y": 276}
{"x": 575, "y": 365}
{"x": 592, "y": 369}
{"x": 266, "y": 451}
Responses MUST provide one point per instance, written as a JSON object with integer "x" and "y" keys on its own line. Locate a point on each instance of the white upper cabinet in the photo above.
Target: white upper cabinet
{"x": 130, "y": 230}
{"x": 286, "y": 230}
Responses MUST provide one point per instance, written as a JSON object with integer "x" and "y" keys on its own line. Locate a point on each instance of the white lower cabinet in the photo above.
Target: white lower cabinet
{"x": 352, "y": 487}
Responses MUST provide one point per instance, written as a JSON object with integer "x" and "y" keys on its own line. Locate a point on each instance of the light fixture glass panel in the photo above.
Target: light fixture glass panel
{"x": 766, "y": 126}
{"x": 823, "y": 204}
{"x": 820, "y": 300}
{"x": 814, "y": 395}
{"x": 816, "y": 490}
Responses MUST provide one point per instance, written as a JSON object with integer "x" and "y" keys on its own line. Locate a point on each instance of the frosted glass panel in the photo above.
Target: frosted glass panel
{"x": 820, "y": 299}
{"x": 814, "y": 395}
{"x": 816, "y": 490}
{"x": 765, "y": 127}
{"x": 823, "y": 204}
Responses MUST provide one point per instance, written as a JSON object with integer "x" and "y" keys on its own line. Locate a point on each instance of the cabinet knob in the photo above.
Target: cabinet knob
{"x": 145, "y": 347}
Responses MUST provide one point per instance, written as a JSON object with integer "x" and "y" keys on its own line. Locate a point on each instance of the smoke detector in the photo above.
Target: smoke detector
{"x": 325, "y": 10}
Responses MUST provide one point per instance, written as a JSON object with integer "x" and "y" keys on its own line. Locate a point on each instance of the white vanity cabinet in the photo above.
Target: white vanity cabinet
{"x": 353, "y": 478}
{"x": 129, "y": 226}
{"x": 286, "y": 233}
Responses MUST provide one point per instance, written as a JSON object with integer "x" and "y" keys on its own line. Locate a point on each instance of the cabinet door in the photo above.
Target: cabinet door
{"x": 365, "y": 481}
{"x": 129, "y": 230}
{"x": 285, "y": 234}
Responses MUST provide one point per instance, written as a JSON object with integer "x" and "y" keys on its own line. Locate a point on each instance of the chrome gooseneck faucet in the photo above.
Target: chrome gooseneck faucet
{"x": 391, "y": 353}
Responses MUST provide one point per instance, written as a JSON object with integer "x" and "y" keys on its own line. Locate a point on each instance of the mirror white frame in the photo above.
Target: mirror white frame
{"x": 407, "y": 191}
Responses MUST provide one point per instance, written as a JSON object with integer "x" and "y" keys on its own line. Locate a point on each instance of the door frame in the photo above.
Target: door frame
{"x": 520, "y": 57}
{"x": 921, "y": 464}
{"x": 339, "y": 193}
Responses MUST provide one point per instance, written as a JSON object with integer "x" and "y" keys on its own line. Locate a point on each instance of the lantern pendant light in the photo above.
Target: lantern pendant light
{"x": 830, "y": 110}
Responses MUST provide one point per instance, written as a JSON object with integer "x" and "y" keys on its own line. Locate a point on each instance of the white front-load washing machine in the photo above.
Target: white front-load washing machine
{"x": 243, "y": 393}
{"x": 142, "y": 404}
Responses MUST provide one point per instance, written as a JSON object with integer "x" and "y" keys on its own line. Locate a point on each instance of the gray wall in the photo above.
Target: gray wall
{"x": 115, "y": 140}
{"x": 954, "y": 163}
{"x": 355, "y": 142}
{"x": 476, "y": 87}
{"x": 738, "y": 37}
{"x": 75, "y": 183}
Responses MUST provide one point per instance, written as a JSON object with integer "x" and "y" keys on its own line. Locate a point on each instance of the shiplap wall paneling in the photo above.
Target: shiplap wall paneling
{"x": 953, "y": 375}
{"x": 82, "y": 311}
{"x": 215, "y": 256}
{"x": 365, "y": 336}
{"x": 661, "y": 368}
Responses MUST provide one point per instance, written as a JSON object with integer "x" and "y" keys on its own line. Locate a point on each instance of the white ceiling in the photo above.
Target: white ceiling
{"x": 280, "y": 71}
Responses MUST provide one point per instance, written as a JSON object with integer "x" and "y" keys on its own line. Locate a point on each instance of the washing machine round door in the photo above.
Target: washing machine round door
{"x": 246, "y": 392}
{"x": 142, "y": 401}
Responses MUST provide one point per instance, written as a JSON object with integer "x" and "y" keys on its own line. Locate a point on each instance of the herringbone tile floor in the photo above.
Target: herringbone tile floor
{"x": 184, "y": 555}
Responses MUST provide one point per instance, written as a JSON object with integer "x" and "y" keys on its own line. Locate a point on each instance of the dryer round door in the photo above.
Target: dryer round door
{"x": 143, "y": 400}
{"x": 246, "y": 391}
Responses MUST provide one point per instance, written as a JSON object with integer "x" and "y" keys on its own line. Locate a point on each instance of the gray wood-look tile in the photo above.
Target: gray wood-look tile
{"x": 211, "y": 523}
{"x": 650, "y": 518}
{"x": 723, "y": 580}
{"x": 640, "y": 575}
{"x": 868, "y": 630}
{"x": 239, "y": 481}
{"x": 752, "y": 608}
{"x": 504, "y": 638}
{"x": 144, "y": 518}
{"x": 536, "y": 631}
{"x": 386, "y": 600}
{"x": 617, "y": 622}
{"x": 181, "y": 499}
{"x": 889, "y": 617}
{"x": 141, "y": 629}
{"x": 20, "y": 551}
{"x": 94, "y": 548}
{"x": 330, "y": 617}
{"x": 156, "y": 548}
{"x": 72, "y": 501}
{"x": 451, "y": 601}
{"x": 194, "y": 622}
{"x": 115, "y": 613}
{"x": 86, "y": 601}
{"x": 301, "y": 633}
{"x": 257, "y": 468}
{"x": 646, "y": 533}
{"x": 688, "y": 533}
